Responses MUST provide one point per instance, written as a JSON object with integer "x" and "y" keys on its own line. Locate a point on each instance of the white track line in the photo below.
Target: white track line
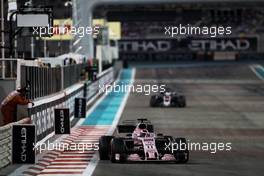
{"x": 256, "y": 73}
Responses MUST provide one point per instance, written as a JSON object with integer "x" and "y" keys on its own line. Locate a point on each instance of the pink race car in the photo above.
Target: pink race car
{"x": 141, "y": 144}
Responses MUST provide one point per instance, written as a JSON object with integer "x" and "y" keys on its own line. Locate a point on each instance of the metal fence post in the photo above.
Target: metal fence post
{"x": 62, "y": 78}
{"x": 3, "y": 39}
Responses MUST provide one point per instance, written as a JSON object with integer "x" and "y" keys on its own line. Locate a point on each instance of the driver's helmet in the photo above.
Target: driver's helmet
{"x": 167, "y": 90}
{"x": 142, "y": 130}
{"x": 142, "y": 126}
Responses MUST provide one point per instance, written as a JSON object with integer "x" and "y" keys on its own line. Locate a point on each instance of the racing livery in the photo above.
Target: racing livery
{"x": 168, "y": 99}
{"x": 141, "y": 144}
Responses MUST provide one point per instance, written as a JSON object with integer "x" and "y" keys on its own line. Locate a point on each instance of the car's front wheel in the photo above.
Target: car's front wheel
{"x": 181, "y": 102}
{"x": 104, "y": 147}
{"x": 153, "y": 101}
{"x": 118, "y": 150}
{"x": 182, "y": 154}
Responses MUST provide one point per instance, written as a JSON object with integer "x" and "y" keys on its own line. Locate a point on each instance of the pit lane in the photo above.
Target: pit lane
{"x": 224, "y": 104}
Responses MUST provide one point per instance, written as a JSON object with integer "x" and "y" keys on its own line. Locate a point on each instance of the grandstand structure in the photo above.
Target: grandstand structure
{"x": 144, "y": 20}
{"x": 144, "y": 25}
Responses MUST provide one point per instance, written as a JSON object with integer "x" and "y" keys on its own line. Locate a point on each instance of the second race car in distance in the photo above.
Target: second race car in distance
{"x": 141, "y": 144}
{"x": 168, "y": 98}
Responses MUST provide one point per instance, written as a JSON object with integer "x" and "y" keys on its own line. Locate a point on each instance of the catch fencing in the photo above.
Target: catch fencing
{"x": 8, "y": 68}
{"x": 44, "y": 81}
{"x": 42, "y": 113}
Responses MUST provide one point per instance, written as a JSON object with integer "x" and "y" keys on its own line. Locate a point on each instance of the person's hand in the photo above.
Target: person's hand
{"x": 32, "y": 104}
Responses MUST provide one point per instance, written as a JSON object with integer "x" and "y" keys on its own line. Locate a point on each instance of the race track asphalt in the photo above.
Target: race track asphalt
{"x": 225, "y": 103}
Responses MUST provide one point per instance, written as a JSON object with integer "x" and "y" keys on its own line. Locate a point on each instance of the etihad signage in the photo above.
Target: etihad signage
{"x": 80, "y": 108}
{"x": 188, "y": 44}
{"x": 23, "y": 140}
{"x": 224, "y": 44}
{"x": 62, "y": 121}
{"x": 145, "y": 46}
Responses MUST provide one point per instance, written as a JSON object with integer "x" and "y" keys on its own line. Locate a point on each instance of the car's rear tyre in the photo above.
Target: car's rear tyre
{"x": 153, "y": 101}
{"x": 182, "y": 154}
{"x": 181, "y": 102}
{"x": 169, "y": 138}
{"x": 104, "y": 147}
{"x": 159, "y": 135}
{"x": 118, "y": 148}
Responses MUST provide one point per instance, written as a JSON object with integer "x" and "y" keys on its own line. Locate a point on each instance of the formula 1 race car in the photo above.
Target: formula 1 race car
{"x": 168, "y": 99}
{"x": 141, "y": 144}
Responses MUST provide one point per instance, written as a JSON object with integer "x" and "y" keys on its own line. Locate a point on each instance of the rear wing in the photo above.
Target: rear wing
{"x": 143, "y": 120}
{"x": 131, "y": 128}
{"x": 126, "y": 128}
